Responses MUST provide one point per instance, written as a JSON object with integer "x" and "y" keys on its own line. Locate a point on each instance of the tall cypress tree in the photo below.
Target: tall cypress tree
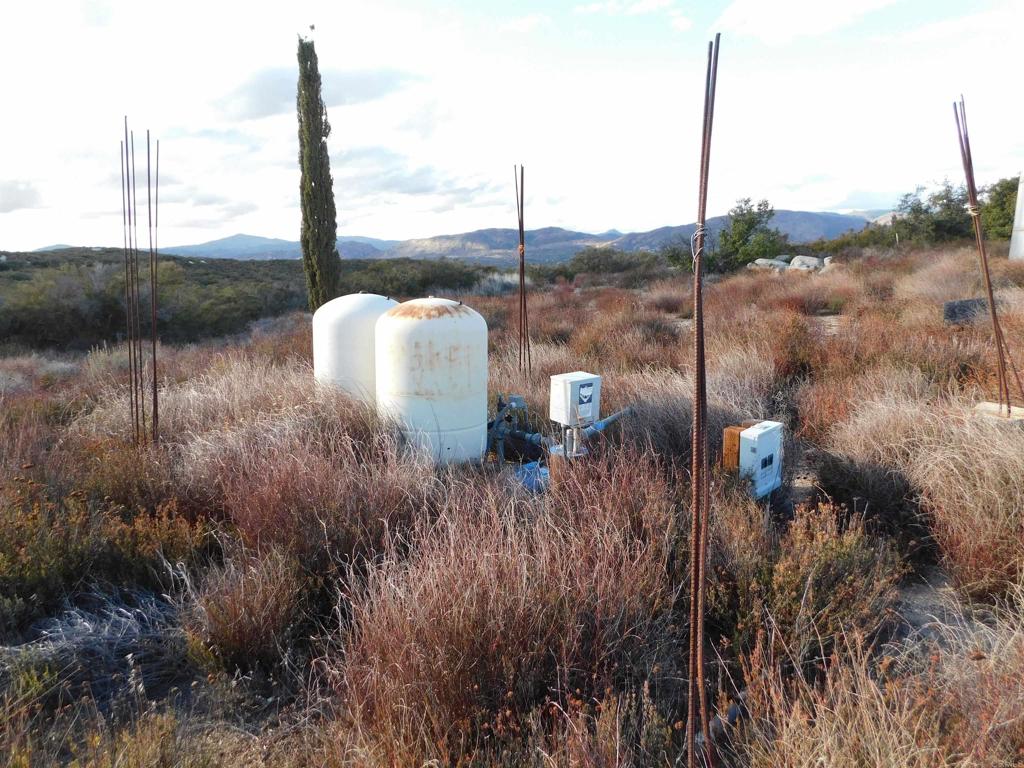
{"x": 319, "y": 217}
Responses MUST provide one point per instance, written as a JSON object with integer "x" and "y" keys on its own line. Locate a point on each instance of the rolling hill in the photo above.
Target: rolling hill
{"x": 253, "y": 247}
{"x": 498, "y": 246}
{"x": 799, "y": 226}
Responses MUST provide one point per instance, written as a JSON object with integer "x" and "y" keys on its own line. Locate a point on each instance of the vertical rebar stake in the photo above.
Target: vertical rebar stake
{"x": 137, "y": 369}
{"x": 127, "y": 289}
{"x": 137, "y": 305}
{"x": 700, "y": 500}
{"x": 1003, "y": 357}
{"x": 156, "y": 294}
{"x": 152, "y": 283}
{"x": 524, "y": 321}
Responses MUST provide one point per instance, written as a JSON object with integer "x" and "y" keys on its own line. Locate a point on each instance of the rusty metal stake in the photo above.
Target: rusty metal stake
{"x": 700, "y": 500}
{"x": 524, "y": 321}
{"x": 152, "y": 284}
{"x": 1003, "y": 357}
{"x": 133, "y": 309}
{"x": 129, "y": 325}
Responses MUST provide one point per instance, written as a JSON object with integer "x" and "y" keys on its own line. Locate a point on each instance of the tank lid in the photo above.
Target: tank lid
{"x": 430, "y": 308}
{"x": 350, "y": 301}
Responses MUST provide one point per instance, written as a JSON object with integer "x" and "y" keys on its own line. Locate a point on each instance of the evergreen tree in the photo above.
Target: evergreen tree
{"x": 319, "y": 219}
{"x": 747, "y": 236}
{"x": 998, "y": 208}
{"x": 940, "y": 217}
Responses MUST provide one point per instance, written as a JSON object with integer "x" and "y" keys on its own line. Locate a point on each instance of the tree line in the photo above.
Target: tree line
{"x": 920, "y": 218}
{"x": 74, "y": 298}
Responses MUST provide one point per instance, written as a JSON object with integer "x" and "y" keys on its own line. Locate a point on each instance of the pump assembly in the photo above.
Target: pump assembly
{"x": 423, "y": 363}
{"x": 575, "y": 407}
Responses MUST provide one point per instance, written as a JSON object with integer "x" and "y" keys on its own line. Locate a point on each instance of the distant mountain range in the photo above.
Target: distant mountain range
{"x": 499, "y": 246}
{"x": 259, "y": 248}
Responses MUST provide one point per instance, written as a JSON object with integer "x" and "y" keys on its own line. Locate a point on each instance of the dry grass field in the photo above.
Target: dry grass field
{"x": 280, "y": 583}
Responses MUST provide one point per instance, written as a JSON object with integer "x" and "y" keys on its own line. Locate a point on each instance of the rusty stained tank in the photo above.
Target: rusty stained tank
{"x": 431, "y": 364}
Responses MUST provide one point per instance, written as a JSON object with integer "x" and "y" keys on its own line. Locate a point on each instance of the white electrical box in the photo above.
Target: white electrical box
{"x": 760, "y": 457}
{"x": 575, "y": 399}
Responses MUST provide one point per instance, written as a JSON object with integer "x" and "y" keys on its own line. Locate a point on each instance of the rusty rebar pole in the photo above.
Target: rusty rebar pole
{"x": 127, "y": 289}
{"x": 156, "y": 294}
{"x": 152, "y": 284}
{"x": 137, "y": 308}
{"x": 700, "y": 487}
{"x": 525, "y": 356}
{"x": 131, "y": 293}
{"x": 973, "y": 208}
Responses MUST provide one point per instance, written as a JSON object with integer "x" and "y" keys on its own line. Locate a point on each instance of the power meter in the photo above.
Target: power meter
{"x": 755, "y": 450}
{"x": 575, "y": 399}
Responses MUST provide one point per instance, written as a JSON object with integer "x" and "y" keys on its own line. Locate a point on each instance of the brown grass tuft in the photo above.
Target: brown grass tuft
{"x": 558, "y": 598}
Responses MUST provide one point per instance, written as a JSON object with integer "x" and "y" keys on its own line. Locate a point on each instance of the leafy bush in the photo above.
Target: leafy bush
{"x": 628, "y": 270}
{"x": 939, "y": 217}
{"x": 999, "y": 207}
{"x": 830, "y": 579}
{"x": 49, "y": 549}
{"x": 805, "y": 584}
{"x": 747, "y": 236}
{"x": 76, "y": 298}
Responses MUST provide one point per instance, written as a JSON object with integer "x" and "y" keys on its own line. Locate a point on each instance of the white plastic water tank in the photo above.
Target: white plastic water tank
{"x": 432, "y": 376}
{"x": 343, "y": 342}
{"x": 1017, "y": 235}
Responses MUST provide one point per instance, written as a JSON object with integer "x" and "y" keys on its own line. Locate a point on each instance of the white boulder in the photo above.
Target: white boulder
{"x": 768, "y": 264}
{"x": 806, "y": 262}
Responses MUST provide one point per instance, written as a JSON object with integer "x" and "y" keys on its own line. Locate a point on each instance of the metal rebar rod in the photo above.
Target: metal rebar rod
{"x": 695, "y": 459}
{"x": 519, "y": 327}
{"x": 127, "y": 284}
{"x": 706, "y": 480}
{"x": 156, "y": 294}
{"x": 137, "y": 304}
{"x": 974, "y": 209}
{"x": 522, "y": 267}
{"x": 130, "y": 289}
{"x": 525, "y": 357}
{"x": 152, "y": 283}
{"x": 1002, "y": 349}
{"x": 700, "y": 487}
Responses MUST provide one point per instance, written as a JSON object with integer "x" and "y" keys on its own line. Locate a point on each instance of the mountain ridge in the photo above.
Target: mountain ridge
{"x": 500, "y": 245}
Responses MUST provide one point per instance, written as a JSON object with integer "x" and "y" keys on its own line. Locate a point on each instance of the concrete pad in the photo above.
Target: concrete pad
{"x": 994, "y": 410}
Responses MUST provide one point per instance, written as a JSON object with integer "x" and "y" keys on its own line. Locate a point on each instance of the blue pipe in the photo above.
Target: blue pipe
{"x": 600, "y": 426}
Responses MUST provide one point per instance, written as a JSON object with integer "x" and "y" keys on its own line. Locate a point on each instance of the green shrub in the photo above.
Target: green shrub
{"x": 829, "y": 580}
{"x": 747, "y": 236}
{"x": 75, "y": 298}
{"x": 49, "y": 549}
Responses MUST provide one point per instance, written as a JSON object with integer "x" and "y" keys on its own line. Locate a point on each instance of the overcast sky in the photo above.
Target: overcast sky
{"x": 822, "y": 105}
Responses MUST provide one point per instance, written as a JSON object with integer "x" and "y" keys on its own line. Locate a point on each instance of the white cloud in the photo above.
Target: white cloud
{"x": 624, "y": 7}
{"x": 783, "y": 21}
{"x": 679, "y": 22}
{"x": 640, "y": 7}
{"x": 18, "y": 195}
{"x": 795, "y": 124}
{"x": 528, "y": 23}
{"x": 272, "y": 91}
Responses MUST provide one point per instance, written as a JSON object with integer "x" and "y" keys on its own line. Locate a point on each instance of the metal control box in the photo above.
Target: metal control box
{"x": 760, "y": 456}
{"x": 575, "y": 399}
